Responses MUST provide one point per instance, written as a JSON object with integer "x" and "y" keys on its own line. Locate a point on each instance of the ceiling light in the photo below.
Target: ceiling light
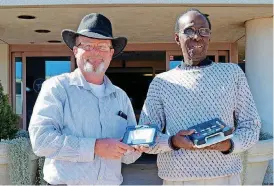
{"x": 26, "y": 17}
{"x": 54, "y": 41}
{"x": 42, "y": 31}
{"x": 147, "y": 74}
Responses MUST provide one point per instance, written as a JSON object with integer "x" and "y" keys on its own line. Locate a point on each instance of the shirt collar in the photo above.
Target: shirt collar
{"x": 77, "y": 79}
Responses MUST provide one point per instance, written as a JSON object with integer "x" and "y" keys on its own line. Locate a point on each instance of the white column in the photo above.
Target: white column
{"x": 259, "y": 71}
{"x": 4, "y": 66}
{"x": 259, "y": 67}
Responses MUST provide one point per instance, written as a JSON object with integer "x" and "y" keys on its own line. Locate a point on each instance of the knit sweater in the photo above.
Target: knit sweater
{"x": 186, "y": 96}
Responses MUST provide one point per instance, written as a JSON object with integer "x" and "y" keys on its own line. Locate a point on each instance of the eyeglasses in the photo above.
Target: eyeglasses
{"x": 204, "y": 32}
{"x": 103, "y": 47}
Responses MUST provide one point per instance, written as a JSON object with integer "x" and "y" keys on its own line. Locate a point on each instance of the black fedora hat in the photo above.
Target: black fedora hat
{"x": 95, "y": 26}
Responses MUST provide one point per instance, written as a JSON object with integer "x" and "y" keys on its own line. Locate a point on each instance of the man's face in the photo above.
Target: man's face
{"x": 93, "y": 56}
{"x": 194, "y": 47}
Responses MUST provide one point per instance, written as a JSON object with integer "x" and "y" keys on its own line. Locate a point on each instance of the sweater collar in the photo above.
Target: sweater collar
{"x": 205, "y": 63}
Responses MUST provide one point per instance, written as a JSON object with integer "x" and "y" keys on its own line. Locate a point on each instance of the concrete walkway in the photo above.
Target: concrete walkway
{"x": 141, "y": 174}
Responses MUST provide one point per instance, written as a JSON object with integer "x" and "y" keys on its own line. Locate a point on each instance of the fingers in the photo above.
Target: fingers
{"x": 111, "y": 148}
{"x": 185, "y": 143}
{"x": 135, "y": 146}
{"x": 140, "y": 148}
{"x": 124, "y": 146}
{"x": 211, "y": 147}
{"x": 188, "y": 144}
{"x": 215, "y": 146}
{"x": 117, "y": 155}
{"x": 120, "y": 150}
{"x": 144, "y": 149}
{"x": 186, "y": 132}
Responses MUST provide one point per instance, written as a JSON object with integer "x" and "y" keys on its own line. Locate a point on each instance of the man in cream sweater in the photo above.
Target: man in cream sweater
{"x": 196, "y": 91}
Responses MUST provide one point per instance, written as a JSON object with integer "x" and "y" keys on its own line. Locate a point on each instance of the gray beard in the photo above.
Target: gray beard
{"x": 89, "y": 68}
{"x": 188, "y": 63}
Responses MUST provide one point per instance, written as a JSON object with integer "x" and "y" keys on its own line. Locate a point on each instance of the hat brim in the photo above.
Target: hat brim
{"x": 118, "y": 43}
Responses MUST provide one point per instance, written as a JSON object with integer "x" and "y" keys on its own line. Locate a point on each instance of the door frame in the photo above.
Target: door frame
{"x": 12, "y": 81}
{"x": 24, "y": 55}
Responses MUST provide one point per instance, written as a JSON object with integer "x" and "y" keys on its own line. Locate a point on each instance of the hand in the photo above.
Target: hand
{"x": 111, "y": 148}
{"x": 221, "y": 146}
{"x": 140, "y": 148}
{"x": 180, "y": 140}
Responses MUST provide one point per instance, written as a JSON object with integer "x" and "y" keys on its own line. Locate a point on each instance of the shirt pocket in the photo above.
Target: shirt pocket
{"x": 119, "y": 126}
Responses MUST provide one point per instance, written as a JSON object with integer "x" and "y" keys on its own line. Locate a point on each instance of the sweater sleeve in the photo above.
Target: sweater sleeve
{"x": 246, "y": 115}
{"x": 153, "y": 113}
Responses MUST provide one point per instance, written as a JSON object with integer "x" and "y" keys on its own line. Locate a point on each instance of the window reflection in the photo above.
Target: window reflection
{"x": 18, "y": 86}
{"x": 54, "y": 68}
{"x": 175, "y": 61}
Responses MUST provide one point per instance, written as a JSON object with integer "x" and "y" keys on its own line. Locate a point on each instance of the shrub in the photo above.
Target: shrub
{"x": 8, "y": 119}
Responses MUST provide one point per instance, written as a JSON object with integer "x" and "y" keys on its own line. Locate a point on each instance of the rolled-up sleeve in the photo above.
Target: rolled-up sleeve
{"x": 46, "y": 124}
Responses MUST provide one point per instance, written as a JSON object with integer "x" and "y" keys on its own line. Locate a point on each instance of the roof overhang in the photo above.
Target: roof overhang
{"x": 140, "y": 23}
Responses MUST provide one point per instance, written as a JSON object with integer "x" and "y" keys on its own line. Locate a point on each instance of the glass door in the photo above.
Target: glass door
{"x": 38, "y": 69}
{"x": 30, "y": 70}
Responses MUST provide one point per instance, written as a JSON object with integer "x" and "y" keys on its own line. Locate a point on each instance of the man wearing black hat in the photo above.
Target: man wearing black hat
{"x": 80, "y": 118}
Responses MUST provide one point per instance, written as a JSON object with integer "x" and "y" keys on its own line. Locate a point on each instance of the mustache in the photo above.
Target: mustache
{"x": 91, "y": 59}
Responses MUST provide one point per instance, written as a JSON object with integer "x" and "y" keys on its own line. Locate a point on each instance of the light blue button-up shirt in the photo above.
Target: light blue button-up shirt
{"x": 66, "y": 121}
